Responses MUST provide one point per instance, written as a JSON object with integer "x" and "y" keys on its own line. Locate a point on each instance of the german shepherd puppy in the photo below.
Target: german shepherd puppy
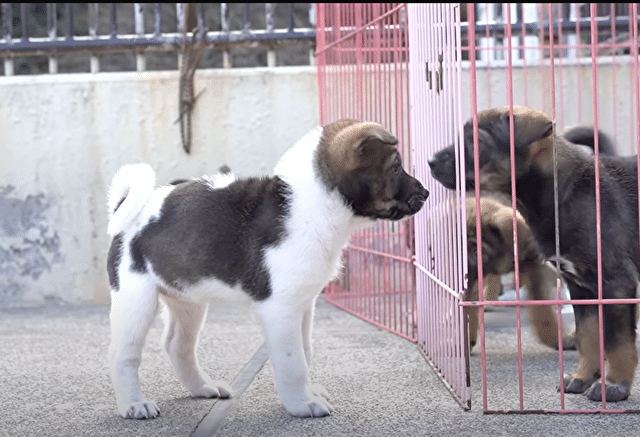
{"x": 534, "y": 145}
{"x": 496, "y": 173}
{"x": 498, "y": 259}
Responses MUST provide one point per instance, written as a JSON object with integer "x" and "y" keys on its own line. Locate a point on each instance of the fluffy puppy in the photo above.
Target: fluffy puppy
{"x": 495, "y": 167}
{"x": 534, "y": 145}
{"x": 498, "y": 259}
{"x": 273, "y": 242}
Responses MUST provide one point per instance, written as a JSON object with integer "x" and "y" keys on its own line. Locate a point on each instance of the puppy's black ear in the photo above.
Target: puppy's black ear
{"x": 530, "y": 126}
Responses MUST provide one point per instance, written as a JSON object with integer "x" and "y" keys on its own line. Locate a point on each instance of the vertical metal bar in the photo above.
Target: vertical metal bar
{"x": 322, "y": 60}
{"x": 157, "y": 19}
{"x": 594, "y": 72}
{"x": 491, "y": 54}
{"x": 52, "y": 21}
{"x": 201, "y": 17}
{"x": 138, "y": 11}
{"x": 290, "y": 18}
{"x": 69, "y": 22}
{"x": 226, "y": 54}
{"x": 577, "y": 16}
{"x": 555, "y": 199}
{"x": 476, "y": 169}
{"x": 337, "y": 113}
{"x": 52, "y": 30}
{"x": 633, "y": 15}
{"x": 514, "y": 205}
{"x": 312, "y": 21}
{"x": 93, "y": 20}
{"x": 94, "y": 60}
{"x": 23, "y": 21}
{"x": 268, "y": 18}
{"x": 7, "y": 23}
{"x": 614, "y": 66}
{"x": 246, "y": 18}
{"x": 224, "y": 15}
{"x": 113, "y": 21}
{"x": 561, "y": 122}
{"x": 181, "y": 17}
{"x": 461, "y": 219}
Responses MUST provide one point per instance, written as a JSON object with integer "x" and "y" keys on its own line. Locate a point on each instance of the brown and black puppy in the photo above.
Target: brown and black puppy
{"x": 495, "y": 167}
{"x": 498, "y": 259}
{"x": 534, "y": 144}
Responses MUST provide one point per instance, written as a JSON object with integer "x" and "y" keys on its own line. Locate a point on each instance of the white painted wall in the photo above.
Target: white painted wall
{"x": 64, "y": 136}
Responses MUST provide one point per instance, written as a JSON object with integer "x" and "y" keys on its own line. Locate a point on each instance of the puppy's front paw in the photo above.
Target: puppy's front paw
{"x": 214, "y": 389}
{"x": 575, "y": 385}
{"x": 615, "y": 392}
{"x": 319, "y": 390}
{"x": 140, "y": 410}
{"x": 317, "y": 406}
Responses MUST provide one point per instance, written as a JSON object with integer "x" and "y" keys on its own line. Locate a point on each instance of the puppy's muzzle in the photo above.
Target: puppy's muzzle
{"x": 443, "y": 167}
{"x": 417, "y": 199}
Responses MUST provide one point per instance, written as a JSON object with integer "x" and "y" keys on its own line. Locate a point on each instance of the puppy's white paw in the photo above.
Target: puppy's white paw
{"x": 319, "y": 390}
{"x": 140, "y": 410}
{"x": 214, "y": 389}
{"x": 317, "y": 406}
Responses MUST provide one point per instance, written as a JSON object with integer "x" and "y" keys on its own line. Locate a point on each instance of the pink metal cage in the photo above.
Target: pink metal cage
{"x": 362, "y": 72}
{"x": 423, "y": 70}
{"x": 570, "y": 61}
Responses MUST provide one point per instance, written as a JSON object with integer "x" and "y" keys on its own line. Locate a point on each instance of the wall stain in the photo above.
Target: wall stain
{"x": 28, "y": 244}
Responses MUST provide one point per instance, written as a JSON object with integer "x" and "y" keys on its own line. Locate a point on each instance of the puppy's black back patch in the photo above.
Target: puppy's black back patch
{"x": 113, "y": 261}
{"x": 205, "y": 233}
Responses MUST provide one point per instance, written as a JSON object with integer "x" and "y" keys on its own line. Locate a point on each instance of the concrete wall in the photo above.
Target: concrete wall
{"x": 64, "y": 136}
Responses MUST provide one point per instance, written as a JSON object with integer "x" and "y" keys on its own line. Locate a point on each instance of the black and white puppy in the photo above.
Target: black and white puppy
{"x": 274, "y": 242}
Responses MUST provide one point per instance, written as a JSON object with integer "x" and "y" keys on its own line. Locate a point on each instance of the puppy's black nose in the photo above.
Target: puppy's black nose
{"x": 432, "y": 162}
{"x": 416, "y": 201}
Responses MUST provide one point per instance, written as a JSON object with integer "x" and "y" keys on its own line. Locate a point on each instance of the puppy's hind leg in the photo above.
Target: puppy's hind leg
{"x": 133, "y": 308}
{"x": 183, "y": 322}
{"x": 307, "y": 326}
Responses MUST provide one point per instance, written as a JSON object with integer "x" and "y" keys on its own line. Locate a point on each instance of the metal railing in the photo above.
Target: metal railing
{"x": 532, "y": 24}
{"x": 222, "y": 26}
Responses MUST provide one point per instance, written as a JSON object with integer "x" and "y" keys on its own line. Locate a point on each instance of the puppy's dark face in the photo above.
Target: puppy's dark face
{"x": 530, "y": 125}
{"x": 360, "y": 160}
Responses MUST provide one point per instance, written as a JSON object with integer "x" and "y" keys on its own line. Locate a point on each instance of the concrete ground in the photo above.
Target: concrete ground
{"x": 54, "y": 382}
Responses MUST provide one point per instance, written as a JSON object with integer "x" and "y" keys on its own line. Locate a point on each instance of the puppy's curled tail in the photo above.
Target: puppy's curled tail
{"x": 130, "y": 190}
{"x": 585, "y": 135}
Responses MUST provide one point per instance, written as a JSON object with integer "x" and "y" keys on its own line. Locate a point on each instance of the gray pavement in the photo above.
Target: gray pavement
{"x": 54, "y": 382}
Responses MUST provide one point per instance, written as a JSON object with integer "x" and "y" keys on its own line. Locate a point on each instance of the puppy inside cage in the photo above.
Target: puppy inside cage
{"x": 572, "y": 187}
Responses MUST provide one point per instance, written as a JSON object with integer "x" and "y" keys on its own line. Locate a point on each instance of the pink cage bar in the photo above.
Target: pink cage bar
{"x": 441, "y": 258}
{"x": 423, "y": 70}
{"x": 362, "y": 72}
